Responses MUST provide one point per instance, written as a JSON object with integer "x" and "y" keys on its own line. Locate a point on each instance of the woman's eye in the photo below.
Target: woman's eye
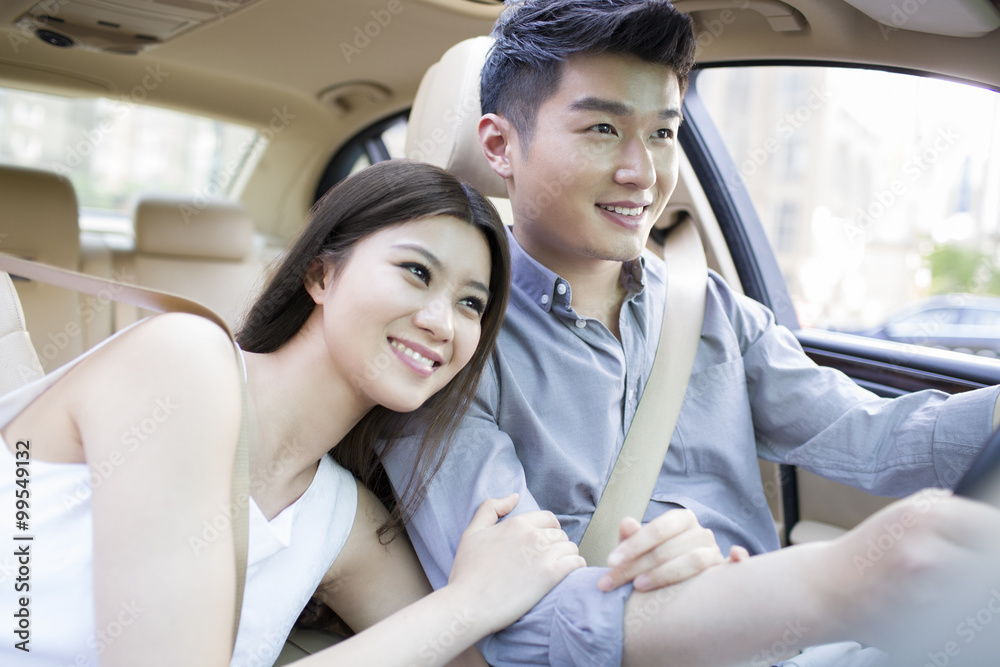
{"x": 475, "y": 304}
{"x": 603, "y": 128}
{"x": 419, "y": 271}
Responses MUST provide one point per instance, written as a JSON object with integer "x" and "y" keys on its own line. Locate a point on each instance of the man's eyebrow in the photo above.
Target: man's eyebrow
{"x": 436, "y": 263}
{"x": 618, "y": 108}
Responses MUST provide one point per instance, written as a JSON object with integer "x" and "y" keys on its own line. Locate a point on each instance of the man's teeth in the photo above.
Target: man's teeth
{"x": 410, "y": 353}
{"x": 623, "y": 211}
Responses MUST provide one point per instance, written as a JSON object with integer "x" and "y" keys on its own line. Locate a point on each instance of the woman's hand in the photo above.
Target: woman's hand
{"x": 507, "y": 567}
{"x": 669, "y": 549}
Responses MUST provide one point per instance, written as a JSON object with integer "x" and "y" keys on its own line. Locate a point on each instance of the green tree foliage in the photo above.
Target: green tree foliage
{"x": 959, "y": 269}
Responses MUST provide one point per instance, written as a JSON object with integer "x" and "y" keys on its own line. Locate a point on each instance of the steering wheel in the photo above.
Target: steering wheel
{"x": 982, "y": 480}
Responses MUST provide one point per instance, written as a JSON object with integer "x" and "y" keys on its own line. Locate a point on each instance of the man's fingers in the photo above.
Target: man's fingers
{"x": 672, "y": 551}
{"x": 737, "y": 554}
{"x": 663, "y": 528}
{"x": 679, "y": 569}
{"x": 627, "y": 528}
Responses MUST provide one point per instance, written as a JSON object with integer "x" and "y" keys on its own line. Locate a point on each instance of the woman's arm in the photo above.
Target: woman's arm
{"x": 158, "y": 413}
{"x": 370, "y": 581}
{"x": 500, "y": 572}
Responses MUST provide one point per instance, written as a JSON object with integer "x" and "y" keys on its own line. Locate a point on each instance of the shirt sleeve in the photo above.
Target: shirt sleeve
{"x": 819, "y": 419}
{"x": 575, "y": 623}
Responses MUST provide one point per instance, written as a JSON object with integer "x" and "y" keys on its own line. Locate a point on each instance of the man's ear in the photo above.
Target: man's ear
{"x": 317, "y": 279}
{"x": 497, "y": 137}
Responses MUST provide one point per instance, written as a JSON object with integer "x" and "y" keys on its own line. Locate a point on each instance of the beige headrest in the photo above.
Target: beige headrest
{"x": 17, "y": 356}
{"x": 193, "y": 229}
{"x": 443, "y": 127}
{"x": 38, "y": 216}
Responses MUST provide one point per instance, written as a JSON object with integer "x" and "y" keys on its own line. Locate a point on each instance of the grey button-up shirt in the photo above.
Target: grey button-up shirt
{"x": 553, "y": 408}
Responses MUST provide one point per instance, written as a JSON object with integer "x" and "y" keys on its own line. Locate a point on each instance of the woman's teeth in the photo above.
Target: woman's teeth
{"x": 410, "y": 353}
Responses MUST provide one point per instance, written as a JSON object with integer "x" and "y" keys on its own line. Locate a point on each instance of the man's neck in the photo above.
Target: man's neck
{"x": 596, "y": 284}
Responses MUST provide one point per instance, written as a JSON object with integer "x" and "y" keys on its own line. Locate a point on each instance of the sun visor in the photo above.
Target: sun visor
{"x": 954, "y": 18}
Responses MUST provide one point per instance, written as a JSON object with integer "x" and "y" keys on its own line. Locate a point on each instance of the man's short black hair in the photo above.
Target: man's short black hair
{"x": 534, "y": 38}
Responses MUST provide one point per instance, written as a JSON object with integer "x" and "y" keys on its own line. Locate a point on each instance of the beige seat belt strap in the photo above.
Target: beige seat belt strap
{"x": 630, "y": 486}
{"x": 162, "y": 302}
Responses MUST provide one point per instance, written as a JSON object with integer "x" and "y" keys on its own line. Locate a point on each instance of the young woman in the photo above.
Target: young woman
{"x": 391, "y": 298}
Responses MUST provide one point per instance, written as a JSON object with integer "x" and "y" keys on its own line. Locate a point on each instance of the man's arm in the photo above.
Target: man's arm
{"x": 819, "y": 419}
{"x": 909, "y": 566}
{"x": 576, "y": 623}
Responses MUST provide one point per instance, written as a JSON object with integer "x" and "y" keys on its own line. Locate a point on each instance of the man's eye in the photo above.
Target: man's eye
{"x": 603, "y": 128}
{"x": 421, "y": 272}
{"x": 664, "y": 133}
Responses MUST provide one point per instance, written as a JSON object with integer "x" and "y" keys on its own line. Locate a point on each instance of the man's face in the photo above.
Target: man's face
{"x": 601, "y": 163}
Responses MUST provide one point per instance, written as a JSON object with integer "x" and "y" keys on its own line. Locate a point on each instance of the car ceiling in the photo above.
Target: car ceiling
{"x": 272, "y": 54}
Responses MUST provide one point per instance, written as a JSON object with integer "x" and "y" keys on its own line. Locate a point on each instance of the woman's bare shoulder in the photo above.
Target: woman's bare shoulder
{"x": 173, "y": 359}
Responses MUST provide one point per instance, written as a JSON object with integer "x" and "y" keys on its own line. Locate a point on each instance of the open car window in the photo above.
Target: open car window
{"x": 879, "y": 193}
{"x": 114, "y": 150}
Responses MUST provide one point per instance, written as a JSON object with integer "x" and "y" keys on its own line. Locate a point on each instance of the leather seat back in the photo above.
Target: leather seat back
{"x": 18, "y": 361}
{"x": 201, "y": 250}
{"x": 39, "y": 220}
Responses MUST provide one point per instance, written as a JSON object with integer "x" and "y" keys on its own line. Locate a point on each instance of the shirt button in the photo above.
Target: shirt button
{"x": 581, "y": 323}
{"x": 545, "y": 299}
{"x": 561, "y": 288}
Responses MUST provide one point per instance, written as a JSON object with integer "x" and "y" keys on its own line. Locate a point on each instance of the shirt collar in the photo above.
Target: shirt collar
{"x": 545, "y": 287}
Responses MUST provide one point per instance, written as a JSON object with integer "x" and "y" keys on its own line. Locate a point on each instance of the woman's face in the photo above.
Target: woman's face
{"x": 402, "y": 317}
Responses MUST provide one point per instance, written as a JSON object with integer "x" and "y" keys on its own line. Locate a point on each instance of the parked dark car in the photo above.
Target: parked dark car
{"x": 960, "y": 322}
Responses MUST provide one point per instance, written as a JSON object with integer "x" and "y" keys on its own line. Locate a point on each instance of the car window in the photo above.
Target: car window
{"x": 114, "y": 150}
{"x": 877, "y": 190}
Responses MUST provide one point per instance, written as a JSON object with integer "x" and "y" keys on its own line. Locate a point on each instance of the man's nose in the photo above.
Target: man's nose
{"x": 636, "y": 166}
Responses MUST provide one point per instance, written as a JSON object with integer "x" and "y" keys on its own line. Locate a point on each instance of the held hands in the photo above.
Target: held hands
{"x": 671, "y": 548}
{"x": 508, "y": 567}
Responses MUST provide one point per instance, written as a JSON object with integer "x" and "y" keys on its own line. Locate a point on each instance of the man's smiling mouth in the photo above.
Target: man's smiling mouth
{"x": 621, "y": 210}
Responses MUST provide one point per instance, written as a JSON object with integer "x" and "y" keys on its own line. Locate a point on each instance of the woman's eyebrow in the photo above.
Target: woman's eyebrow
{"x": 433, "y": 260}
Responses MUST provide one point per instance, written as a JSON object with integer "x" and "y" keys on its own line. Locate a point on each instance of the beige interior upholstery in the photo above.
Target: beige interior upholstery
{"x": 443, "y": 128}
{"x": 201, "y": 250}
{"x": 39, "y": 220}
{"x": 18, "y": 360}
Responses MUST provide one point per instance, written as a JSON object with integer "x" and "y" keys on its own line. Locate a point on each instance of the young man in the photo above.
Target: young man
{"x": 582, "y": 104}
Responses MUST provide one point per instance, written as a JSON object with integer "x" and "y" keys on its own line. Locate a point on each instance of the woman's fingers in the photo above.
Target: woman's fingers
{"x": 490, "y": 511}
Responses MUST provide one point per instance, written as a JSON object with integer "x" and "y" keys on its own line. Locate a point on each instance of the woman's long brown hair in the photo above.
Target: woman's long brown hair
{"x": 385, "y": 194}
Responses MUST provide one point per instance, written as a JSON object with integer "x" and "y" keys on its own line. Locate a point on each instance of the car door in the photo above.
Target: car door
{"x": 790, "y": 163}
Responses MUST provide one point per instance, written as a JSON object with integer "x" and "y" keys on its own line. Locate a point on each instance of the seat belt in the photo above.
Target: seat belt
{"x": 631, "y": 483}
{"x": 163, "y": 302}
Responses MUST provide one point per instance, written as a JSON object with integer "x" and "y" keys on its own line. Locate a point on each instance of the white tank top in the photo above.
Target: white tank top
{"x": 286, "y": 560}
